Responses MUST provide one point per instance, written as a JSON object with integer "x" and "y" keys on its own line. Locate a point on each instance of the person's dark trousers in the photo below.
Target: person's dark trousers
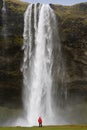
{"x": 40, "y": 124}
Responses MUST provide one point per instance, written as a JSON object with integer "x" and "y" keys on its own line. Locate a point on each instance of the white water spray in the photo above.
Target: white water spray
{"x": 40, "y": 39}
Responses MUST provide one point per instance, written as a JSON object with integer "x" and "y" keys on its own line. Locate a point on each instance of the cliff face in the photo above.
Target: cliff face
{"x": 11, "y": 52}
{"x": 73, "y": 29}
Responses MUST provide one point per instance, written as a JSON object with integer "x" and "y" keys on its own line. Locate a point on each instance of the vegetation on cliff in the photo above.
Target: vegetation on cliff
{"x": 10, "y": 52}
{"x": 73, "y": 30}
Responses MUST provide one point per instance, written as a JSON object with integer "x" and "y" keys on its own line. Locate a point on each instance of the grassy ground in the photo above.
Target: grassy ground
{"x": 46, "y": 128}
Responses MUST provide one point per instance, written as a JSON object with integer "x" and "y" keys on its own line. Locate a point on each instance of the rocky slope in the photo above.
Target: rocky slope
{"x": 72, "y": 22}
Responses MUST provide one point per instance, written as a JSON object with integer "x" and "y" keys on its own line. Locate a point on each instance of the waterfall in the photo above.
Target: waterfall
{"x": 4, "y": 7}
{"x": 4, "y": 22}
{"x": 5, "y": 33}
{"x": 41, "y": 41}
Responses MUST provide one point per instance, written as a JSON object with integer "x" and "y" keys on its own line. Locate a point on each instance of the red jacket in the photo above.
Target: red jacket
{"x": 39, "y": 120}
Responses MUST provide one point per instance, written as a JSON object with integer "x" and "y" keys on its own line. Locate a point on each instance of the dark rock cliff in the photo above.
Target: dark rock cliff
{"x": 73, "y": 30}
{"x": 11, "y": 53}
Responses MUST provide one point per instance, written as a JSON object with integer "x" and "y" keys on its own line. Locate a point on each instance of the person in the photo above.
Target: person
{"x": 40, "y": 121}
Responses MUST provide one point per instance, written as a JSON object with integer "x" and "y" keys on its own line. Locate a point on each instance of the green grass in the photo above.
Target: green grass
{"x": 46, "y": 128}
{"x": 16, "y": 6}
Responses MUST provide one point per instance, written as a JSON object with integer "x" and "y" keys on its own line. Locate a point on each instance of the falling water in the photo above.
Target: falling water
{"x": 40, "y": 42}
{"x": 5, "y": 34}
{"x": 4, "y": 7}
{"x": 4, "y": 22}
